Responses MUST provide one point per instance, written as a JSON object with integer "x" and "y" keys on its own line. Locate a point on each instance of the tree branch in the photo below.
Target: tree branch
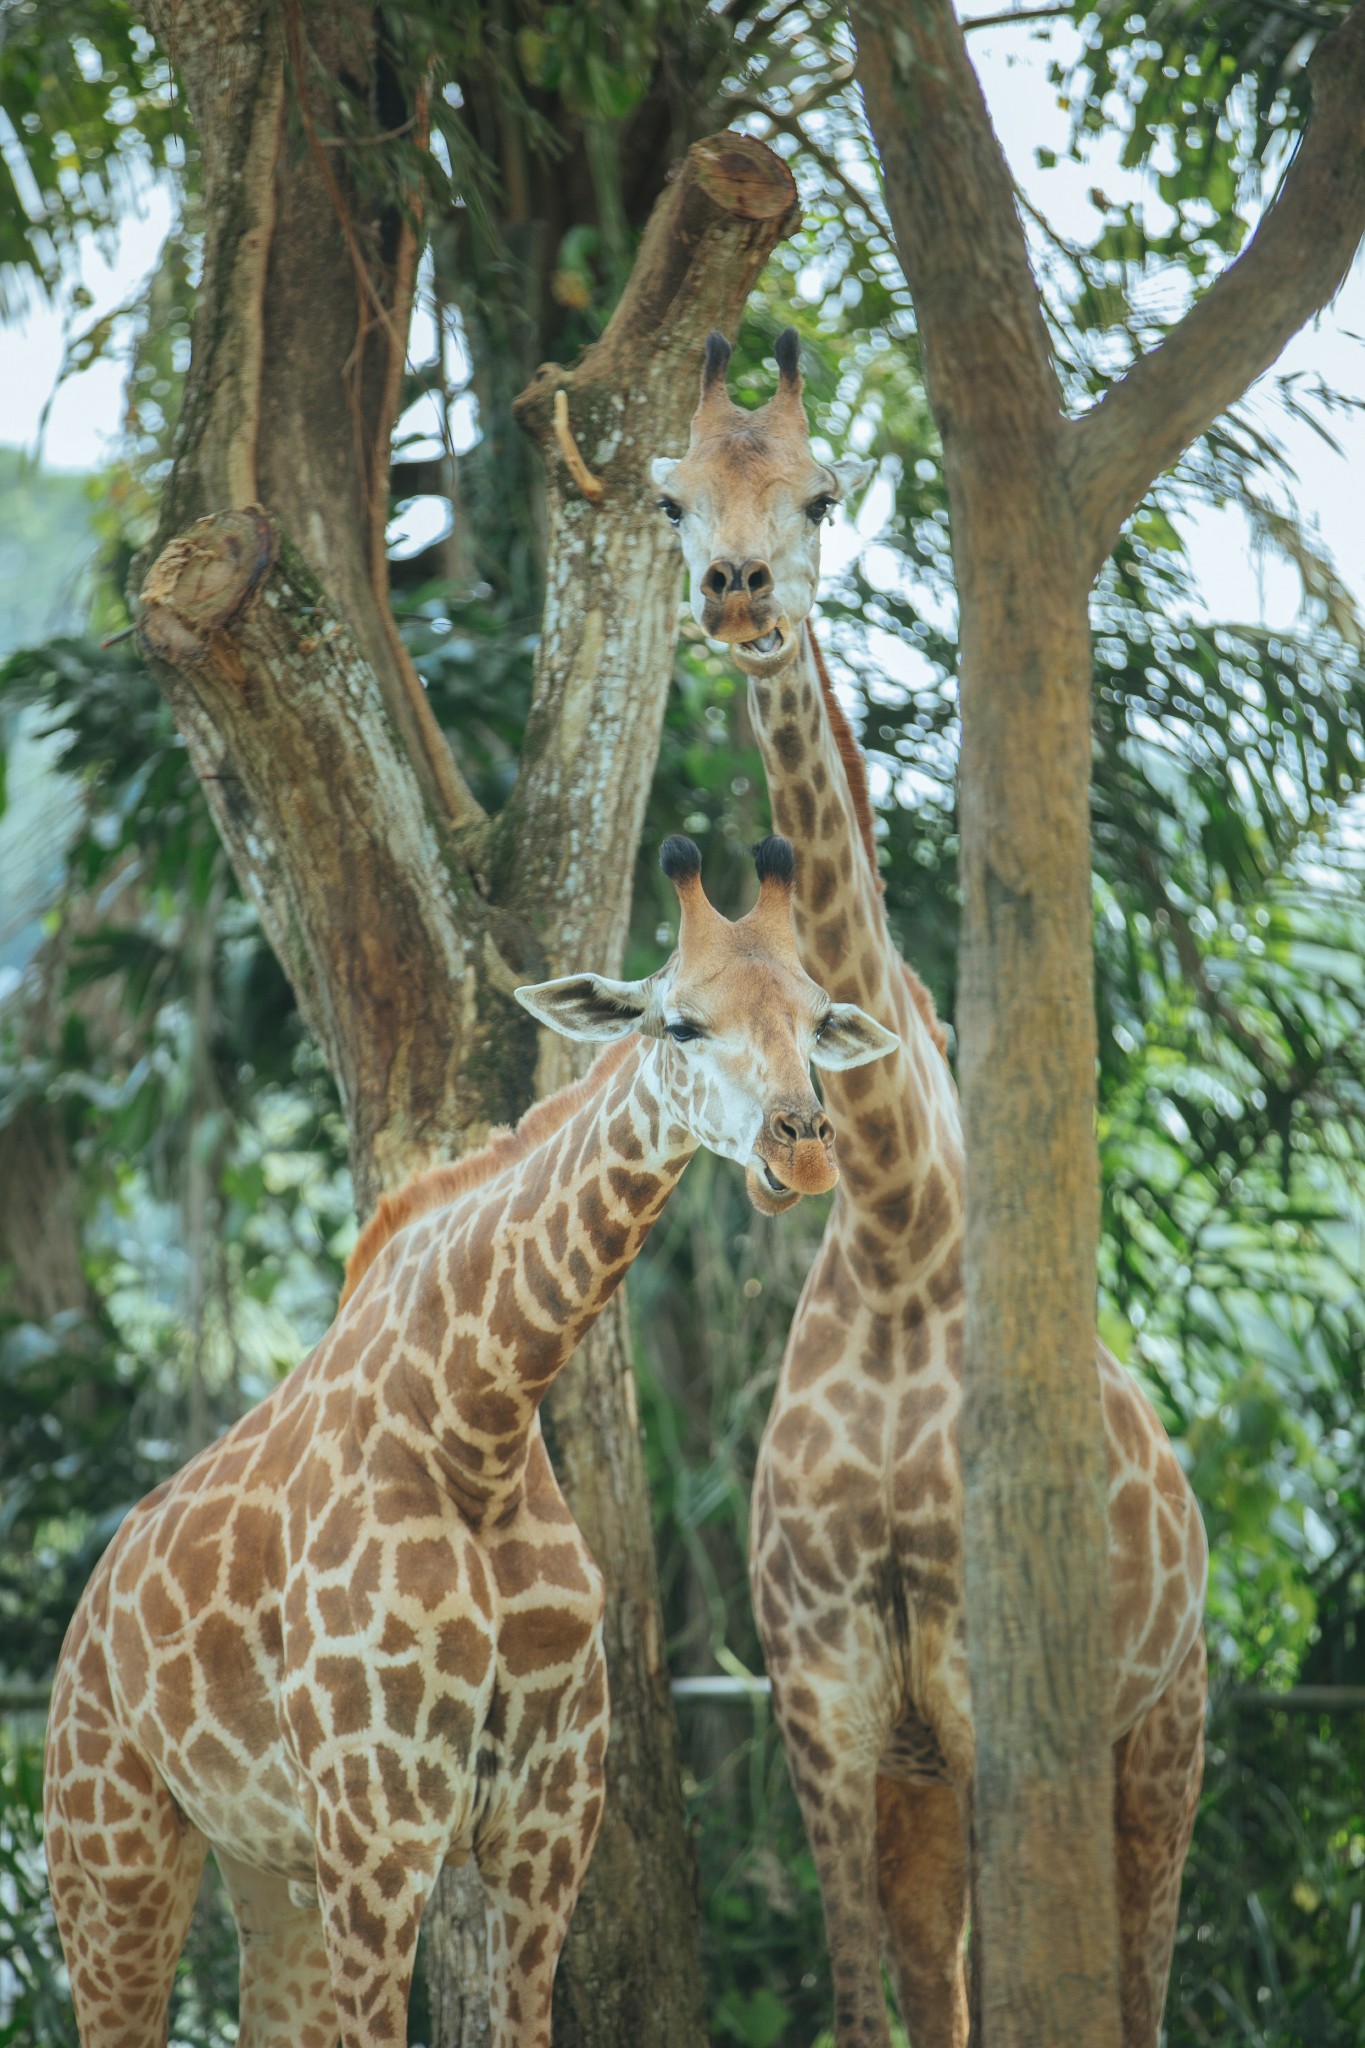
{"x": 1295, "y": 262}
{"x": 606, "y": 654}
{"x": 987, "y": 357}
{"x": 1011, "y": 15}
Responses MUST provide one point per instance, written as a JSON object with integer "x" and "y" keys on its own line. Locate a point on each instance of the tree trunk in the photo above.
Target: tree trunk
{"x": 1045, "y": 1924}
{"x": 1037, "y": 1579}
{"x": 1037, "y": 501}
{"x": 402, "y": 916}
{"x": 562, "y": 851}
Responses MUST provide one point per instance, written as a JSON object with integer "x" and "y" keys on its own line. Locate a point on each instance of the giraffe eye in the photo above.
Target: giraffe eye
{"x": 682, "y": 1033}
{"x": 819, "y": 509}
{"x": 671, "y": 510}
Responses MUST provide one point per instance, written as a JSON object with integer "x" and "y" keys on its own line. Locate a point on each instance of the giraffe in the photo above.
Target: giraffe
{"x": 856, "y": 1557}
{"x": 360, "y": 1636}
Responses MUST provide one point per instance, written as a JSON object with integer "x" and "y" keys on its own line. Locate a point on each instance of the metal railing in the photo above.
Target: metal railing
{"x": 720, "y": 1689}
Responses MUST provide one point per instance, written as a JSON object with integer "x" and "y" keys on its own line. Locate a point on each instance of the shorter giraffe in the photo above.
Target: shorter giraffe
{"x": 360, "y": 1636}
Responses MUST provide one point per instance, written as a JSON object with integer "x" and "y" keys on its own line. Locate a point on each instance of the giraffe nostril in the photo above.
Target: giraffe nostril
{"x": 786, "y": 1130}
{"x": 719, "y": 578}
{"x": 757, "y": 578}
{"x": 824, "y": 1130}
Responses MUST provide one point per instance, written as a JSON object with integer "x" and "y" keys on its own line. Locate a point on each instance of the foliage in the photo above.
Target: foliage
{"x": 1214, "y": 97}
{"x": 90, "y": 107}
{"x": 1271, "y": 1948}
{"x": 44, "y": 529}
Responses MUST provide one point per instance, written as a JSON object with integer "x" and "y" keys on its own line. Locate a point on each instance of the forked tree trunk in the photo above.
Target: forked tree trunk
{"x": 401, "y": 914}
{"x": 1037, "y": 1582}
{"x": 1037, "y": 501}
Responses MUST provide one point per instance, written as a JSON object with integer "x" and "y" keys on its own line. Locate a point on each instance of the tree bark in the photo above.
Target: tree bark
{"x": 301, "y": 320}
{"x": 1037, "y": 503}
{"x": 1037, "y": 1582}
{"x": 40, "y": 1246}
{"x": 402, "y": 916}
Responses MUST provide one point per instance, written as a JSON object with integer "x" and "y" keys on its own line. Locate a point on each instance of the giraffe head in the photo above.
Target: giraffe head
{"x": 748, "y": 499}
{"x": 738, "y": 1023}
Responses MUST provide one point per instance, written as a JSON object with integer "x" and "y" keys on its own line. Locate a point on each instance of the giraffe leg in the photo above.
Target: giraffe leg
{"x": 529, "y": 1910}
{"x": 123, "y": 1868}
{"x": 286, "y": 1982}
{"x": 837, "y": 1796}
{"x": 372, "y": 1892}
{"x": 922, "y": 1883}
{"x": 533, "y": 1876}
{"x": 1158, "y": 1769}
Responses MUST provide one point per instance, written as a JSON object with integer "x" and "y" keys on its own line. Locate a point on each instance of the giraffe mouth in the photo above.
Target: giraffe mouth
{"x": 769, "y": 1195}
{"x": 760, "y": 656}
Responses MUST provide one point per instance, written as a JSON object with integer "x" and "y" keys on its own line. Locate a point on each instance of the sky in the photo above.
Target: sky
{"x": 83, "y": 424}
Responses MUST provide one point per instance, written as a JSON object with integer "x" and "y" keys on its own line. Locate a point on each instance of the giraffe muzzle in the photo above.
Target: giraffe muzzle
{"x": 794, "y": 1157}
{"x": 809, "y": 1167}
{"x": 760, "y": 642}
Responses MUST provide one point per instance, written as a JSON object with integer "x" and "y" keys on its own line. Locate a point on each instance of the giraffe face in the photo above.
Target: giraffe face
{"x": 738, "y": 1024}
{"x": 748, "y": 499}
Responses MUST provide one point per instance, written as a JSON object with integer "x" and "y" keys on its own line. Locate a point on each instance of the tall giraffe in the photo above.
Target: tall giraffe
{"x": 856, "y": 1541}
{"x": 360, "y": 1636}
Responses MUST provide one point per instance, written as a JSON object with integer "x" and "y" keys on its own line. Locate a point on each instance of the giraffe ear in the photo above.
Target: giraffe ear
{"x": 850, "y": 1038}
{"x": 587, "y": 1006}
{"x": 851, "y": 473}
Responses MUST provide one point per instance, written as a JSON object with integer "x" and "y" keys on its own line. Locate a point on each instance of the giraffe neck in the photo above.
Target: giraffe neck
{"x": 900, "y": 1142}
{"x": 488, "y": 1297}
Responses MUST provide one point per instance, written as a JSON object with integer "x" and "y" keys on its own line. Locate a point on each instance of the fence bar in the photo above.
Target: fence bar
{"x": 718, "y": 1688}
{"x": 1301, "y": 1699}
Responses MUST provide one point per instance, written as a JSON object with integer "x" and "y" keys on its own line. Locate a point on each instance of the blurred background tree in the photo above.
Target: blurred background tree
{"x": 174, "y": 1197}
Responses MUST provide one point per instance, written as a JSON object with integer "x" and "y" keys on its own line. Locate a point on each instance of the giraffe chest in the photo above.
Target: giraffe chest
{"x": 338, "y": 1639}
{"x": 858, "y": 1518}
{"x": 859, "y": 1459}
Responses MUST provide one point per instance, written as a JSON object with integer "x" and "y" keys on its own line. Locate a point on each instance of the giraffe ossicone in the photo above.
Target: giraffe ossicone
{"x": 856, "y": 1528}
{"x": 359, "y": 1637}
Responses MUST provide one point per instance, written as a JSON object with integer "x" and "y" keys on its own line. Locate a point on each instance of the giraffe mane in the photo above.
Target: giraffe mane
{"x": 855, "y": 768}
{"x": 436, "y": 1185}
